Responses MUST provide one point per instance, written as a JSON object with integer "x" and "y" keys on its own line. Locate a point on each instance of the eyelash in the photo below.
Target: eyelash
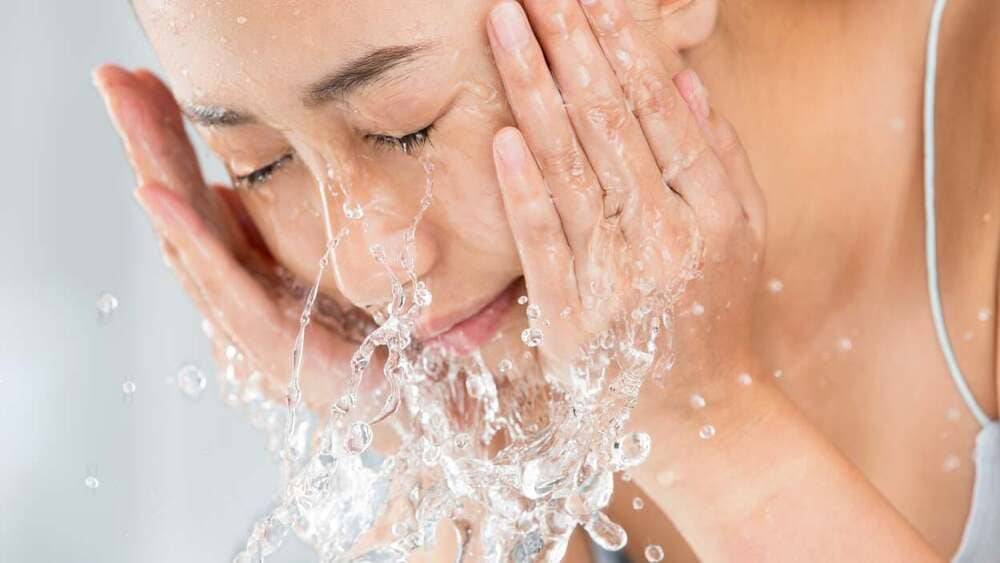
{"x": 408, "y": 144}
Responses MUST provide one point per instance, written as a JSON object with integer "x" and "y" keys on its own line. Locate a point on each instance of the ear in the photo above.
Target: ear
{"x": 687, "y": 23}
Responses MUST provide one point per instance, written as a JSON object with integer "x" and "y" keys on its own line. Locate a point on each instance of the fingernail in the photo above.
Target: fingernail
{"x": 510, "y": 148}
{"x": 694, "y": 93}
{"x": 510, "y": 26}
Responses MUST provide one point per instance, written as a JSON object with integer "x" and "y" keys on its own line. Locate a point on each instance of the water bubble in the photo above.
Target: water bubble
{"x": 505, "y": 366}
{"x": 522, "y": 300}
{"x": 845, "y": 344}
{"x": 92, "y": 482}
{"x": 128, "y": 387}
{"x": 191, "y": 381}
{"x": 744, "y": 379}
{"x": 697, "y": 401}
{"x": 359, "y": 437}
{"x": 775, "y": 285}
{"x": 231, "y": 352}
{"x": 984, "y": 314}
{"x": 207, "y": 328}
{"x": 626, "y": 477}
{"x": 534, "y": 312}
{"x": 697, "y": 309}
{"x": 241, "y": 20}
{"x": 353, "y": 212}
{"x": 106, "y": 306}
{"x": 637, "y": 503}
{"x": 532, "y": 337}
{"x": 706, "y": 432}
{"x": 565, "y": 313}
{"x": 654, "y": 553}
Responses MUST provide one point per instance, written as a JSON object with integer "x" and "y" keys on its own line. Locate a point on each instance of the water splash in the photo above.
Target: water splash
{"x": 514, "y": 458}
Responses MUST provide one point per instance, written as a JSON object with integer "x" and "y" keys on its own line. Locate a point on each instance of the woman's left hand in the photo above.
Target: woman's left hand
{"x": 620, "y": 181}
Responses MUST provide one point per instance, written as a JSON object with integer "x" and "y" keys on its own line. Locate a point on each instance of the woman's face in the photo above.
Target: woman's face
{"x": 359, "y": 95}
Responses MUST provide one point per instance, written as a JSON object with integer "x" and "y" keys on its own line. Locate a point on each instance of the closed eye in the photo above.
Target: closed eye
{"x": 262, "y": 174}
{"x": 409, "y": 144}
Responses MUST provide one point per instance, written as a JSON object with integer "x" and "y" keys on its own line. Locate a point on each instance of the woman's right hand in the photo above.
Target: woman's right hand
{"x": 211, "y": 245}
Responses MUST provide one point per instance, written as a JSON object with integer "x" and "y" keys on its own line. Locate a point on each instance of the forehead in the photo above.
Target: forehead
{"x": 224, "y": 48}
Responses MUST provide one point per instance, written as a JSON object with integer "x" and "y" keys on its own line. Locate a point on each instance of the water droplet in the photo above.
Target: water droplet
{"x": 707, "y": 432}
{"x": 984, "y": 314}
{"x": 697, "y": 401}
{"x": 637, "y": 503}
{"x": 231, "y": 352}
{"x": 953, "y": 414}
{"x": 778, "y": 374}
{"x": 626, "y": 477}
{"x": 92, "y": 482}
{"x": 241, "y": 20}
{"x": 207, "y": 328}
{"x": 422, "y": 296}
{"x": 845, "y": 344}
{"x": 565, "y": 314}
{"x": 128, "y": 387}
{"x": 522, "y": 300}
{"x": 632, "y": 449}
{"x": 654, "y": 553}
{"x": 359, "y": 437}
{"x": 774, "y": 285}
{"x": 462, "y": 441}
{"x": 744, "y": 379}
{"x": 534, "y": 312}
{"x": 353, "y": 212}
{"x": 697, "y": 309}
{"x": 951, "y": 463}
{"x": 532, "y": 337}
{"x": 606, "y": 533}
{"x": 191, "y": 381}
{"x": 106, "y": 306}
{"x": 475, "y": 386}
{"x": 344, "y": 404}
{"x": 505, "y": 366}
{"x": 987, "y": 218}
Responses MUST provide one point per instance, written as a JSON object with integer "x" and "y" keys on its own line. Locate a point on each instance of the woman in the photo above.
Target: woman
{"x": 847, "y": 442}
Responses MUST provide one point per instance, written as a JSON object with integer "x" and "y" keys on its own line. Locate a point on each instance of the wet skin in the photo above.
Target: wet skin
{"x": 872, "y": 403}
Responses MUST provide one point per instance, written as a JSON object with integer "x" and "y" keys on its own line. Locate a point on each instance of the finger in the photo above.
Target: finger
{"x": 152, "y": 129}
{"x": 538, "y": 107}
{"x": 239, "y": 305}
{"x": 610, "y": 135}
{"x": 688, "y": 165}
{"x": 725, "y": 143}
{"x": 541, "y": 243}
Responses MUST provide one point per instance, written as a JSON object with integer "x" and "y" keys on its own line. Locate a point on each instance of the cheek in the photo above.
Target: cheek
{"x": 287, "y": 213}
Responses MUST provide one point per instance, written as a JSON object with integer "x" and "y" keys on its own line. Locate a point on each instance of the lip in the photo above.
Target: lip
{"x": 465, "y": 331}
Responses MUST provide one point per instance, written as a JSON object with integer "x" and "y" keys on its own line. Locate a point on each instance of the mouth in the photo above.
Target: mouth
{"x": 465, "y": 331}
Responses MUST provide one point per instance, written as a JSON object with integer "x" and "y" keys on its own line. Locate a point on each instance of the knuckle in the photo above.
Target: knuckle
{"x": 560, "y": 160}
{"x": 611, "y": 21}
{"x": 608, "y": 114}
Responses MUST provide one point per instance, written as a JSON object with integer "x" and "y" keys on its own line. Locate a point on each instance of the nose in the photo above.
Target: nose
{"x": 372, "y": 210}
{"x": 377, "y": 248}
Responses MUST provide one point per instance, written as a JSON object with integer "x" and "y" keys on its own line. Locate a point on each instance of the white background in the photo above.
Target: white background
{"x": 180, "y": 480}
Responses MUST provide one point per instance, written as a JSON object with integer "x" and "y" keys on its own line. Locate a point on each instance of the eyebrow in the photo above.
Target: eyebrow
{"x": 362, "y": 71}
